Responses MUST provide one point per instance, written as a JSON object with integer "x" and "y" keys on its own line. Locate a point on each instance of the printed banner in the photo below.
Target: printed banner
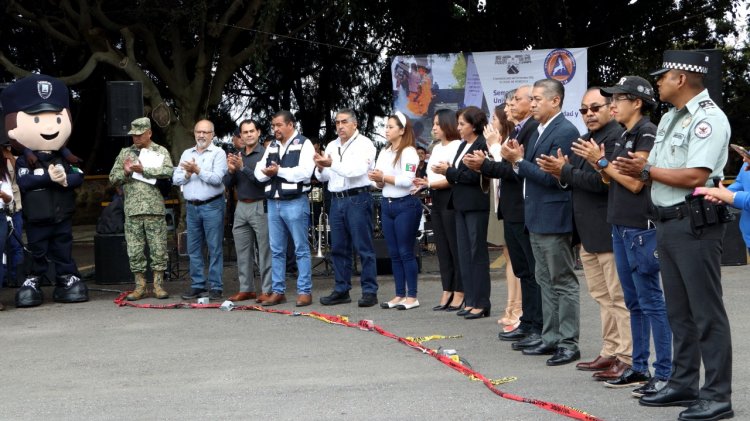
{"x": 424, "y": 84}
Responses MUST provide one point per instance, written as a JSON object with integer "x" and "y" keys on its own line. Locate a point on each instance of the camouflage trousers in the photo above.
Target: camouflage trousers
{"x": 141, "y": 230}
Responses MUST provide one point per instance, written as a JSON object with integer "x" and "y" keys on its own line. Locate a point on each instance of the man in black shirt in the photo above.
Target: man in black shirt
{"x": 250, "y": 225}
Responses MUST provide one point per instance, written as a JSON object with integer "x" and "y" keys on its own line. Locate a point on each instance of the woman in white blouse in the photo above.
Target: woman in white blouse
{"x": 444, "y": 129}
{"x": 6, "y": 196}
{"x": 394, "y": 172}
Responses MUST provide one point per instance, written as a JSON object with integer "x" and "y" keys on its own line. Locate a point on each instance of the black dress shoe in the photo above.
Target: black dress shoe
{"x": 484, "y": 313}
{"x": 704, "y": 409}
{"x": 336, "y": 297}
{"x": 669, "y": 397}
{"x": 564, "y": 356}
{"x": 540, "y": 350}
{"x": 441, "y": 307}
{"x": 531, "y": 341}
{"x": 454, "y": 308}
{"x": 368, "y": 300}
{"x": 464, "y": 312}
{"x": 629, "y": 378}
{"x": 514, "y": 335}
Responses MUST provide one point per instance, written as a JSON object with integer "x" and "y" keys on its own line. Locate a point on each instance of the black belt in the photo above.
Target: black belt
{"x": 677, "y": 211}
{"x": 397, "y": 199}
{"x": 203, "y": 202}
{"x": 350, "y": 192}
{"x": 251, "y": 200}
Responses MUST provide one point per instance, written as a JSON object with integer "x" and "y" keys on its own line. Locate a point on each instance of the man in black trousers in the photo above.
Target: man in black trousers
{"x": 528, "y": 332}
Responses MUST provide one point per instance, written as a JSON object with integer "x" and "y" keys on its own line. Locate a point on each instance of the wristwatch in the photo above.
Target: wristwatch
{"x": 515, "y": 164}
{"x": 646, "y": 173}
{"x": 602, "y": 162}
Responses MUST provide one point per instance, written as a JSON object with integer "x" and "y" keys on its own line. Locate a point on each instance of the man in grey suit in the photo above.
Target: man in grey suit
{"x": 549, "y": 219}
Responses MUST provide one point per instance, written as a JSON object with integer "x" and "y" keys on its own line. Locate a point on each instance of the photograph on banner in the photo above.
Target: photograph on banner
{"x": 426, "y": 83}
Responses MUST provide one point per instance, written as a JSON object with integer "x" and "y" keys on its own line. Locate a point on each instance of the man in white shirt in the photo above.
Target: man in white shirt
{"x": 287, "y": 165}
{"x": 344, "y": 165}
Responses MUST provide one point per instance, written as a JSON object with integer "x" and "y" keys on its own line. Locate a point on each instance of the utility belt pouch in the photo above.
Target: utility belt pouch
{"x": 703, "y": 213}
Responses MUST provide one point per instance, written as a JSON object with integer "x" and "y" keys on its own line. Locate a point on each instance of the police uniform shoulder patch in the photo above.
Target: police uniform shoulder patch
{"x": 706, "y": 104}
{"x": 703, "y": 129}
{"x": 22, "y": 171}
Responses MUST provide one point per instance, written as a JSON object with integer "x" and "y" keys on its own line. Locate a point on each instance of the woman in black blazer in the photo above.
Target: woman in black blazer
{"x": 471, "y": 201}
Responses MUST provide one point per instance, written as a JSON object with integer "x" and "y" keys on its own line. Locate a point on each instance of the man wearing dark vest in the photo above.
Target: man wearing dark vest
{"x": 287, "y": 165}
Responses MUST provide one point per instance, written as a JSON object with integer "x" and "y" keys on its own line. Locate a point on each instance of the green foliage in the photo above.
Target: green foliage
{"x": 459, "y": 72}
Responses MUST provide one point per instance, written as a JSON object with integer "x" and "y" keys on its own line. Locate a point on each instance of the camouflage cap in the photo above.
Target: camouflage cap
{"x": 139, "y": 126}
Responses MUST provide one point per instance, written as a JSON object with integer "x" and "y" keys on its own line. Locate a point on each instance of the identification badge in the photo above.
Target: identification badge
{"x": 39, "y": 171}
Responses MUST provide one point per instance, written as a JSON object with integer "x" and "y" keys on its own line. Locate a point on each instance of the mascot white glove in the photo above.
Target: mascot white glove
{"x": 57, "y": 174}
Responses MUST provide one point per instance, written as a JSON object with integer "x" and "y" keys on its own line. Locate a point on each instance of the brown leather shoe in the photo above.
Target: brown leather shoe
{"x": 599, "y": 364}
{"x": 263, "y": 297}
{"x": 274, "y": 299}
{"x": 242, "y": 296}
{"x": 614, "y": 372}
{"x": 304, "y": 300}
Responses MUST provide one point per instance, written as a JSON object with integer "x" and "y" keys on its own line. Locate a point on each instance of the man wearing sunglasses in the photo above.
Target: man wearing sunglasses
{"x": 590, "y": 217}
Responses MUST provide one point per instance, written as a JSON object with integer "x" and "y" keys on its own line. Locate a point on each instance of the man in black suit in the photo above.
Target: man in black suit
{"x": 590, "y": 221}
{"x": 528, "y": 333}
{"x": 549, "y": 218}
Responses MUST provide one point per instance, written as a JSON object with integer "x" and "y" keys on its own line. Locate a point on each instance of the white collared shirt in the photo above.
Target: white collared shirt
{"x": 350, "y": 163}
{"x": 404, "y": 170}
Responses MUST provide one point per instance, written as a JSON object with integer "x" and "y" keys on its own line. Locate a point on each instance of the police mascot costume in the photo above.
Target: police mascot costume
{"x": 38, "y": 124}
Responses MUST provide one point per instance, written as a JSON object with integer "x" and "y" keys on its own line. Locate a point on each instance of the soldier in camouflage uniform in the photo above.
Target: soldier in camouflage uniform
{"x": 144, "y": 206}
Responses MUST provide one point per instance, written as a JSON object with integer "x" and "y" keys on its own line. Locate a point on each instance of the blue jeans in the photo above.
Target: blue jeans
{"x": 205, "y": 224}
{"x": 293, "y": 217}
{"x": 400, "y": 218}
{"x": 14, "y": 250}
{"x": 639, "y": 276}
{"x": 350, "y": 219}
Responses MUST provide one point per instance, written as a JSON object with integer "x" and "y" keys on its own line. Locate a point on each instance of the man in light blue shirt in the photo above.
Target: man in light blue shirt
{"x": 199, "y": 176}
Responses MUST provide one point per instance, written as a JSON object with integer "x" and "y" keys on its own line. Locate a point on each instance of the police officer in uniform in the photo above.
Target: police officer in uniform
{"x": 690, "y": 150}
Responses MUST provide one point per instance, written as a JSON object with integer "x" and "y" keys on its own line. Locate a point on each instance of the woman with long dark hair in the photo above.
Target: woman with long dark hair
{"x": 445, "y": 130}
{"x": 471, "y": 201}
{"x": 394, "y": 173}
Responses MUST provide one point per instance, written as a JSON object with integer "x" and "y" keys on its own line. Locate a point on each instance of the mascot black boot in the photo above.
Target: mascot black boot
{"x": 30, "y": 293}
{"x": 70, "y": 289}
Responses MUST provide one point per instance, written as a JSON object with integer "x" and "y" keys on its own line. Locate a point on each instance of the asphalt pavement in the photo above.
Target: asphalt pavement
{"x": 98, "y": 361}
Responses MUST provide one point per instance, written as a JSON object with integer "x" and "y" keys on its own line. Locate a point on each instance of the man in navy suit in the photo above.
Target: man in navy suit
{"x": 549, "y": 219}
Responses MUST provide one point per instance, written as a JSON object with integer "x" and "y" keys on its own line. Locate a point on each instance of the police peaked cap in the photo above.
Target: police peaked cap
{"x": 35, "y": 94}
{"x": 690, "y": 61}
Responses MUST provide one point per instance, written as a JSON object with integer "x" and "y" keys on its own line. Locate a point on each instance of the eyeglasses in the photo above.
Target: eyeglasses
{"x": 203, "y": 131}
{"x": 593, "y": 108}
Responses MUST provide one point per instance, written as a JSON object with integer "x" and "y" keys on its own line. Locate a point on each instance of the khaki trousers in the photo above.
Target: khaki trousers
{"x": 604, "y": 287}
